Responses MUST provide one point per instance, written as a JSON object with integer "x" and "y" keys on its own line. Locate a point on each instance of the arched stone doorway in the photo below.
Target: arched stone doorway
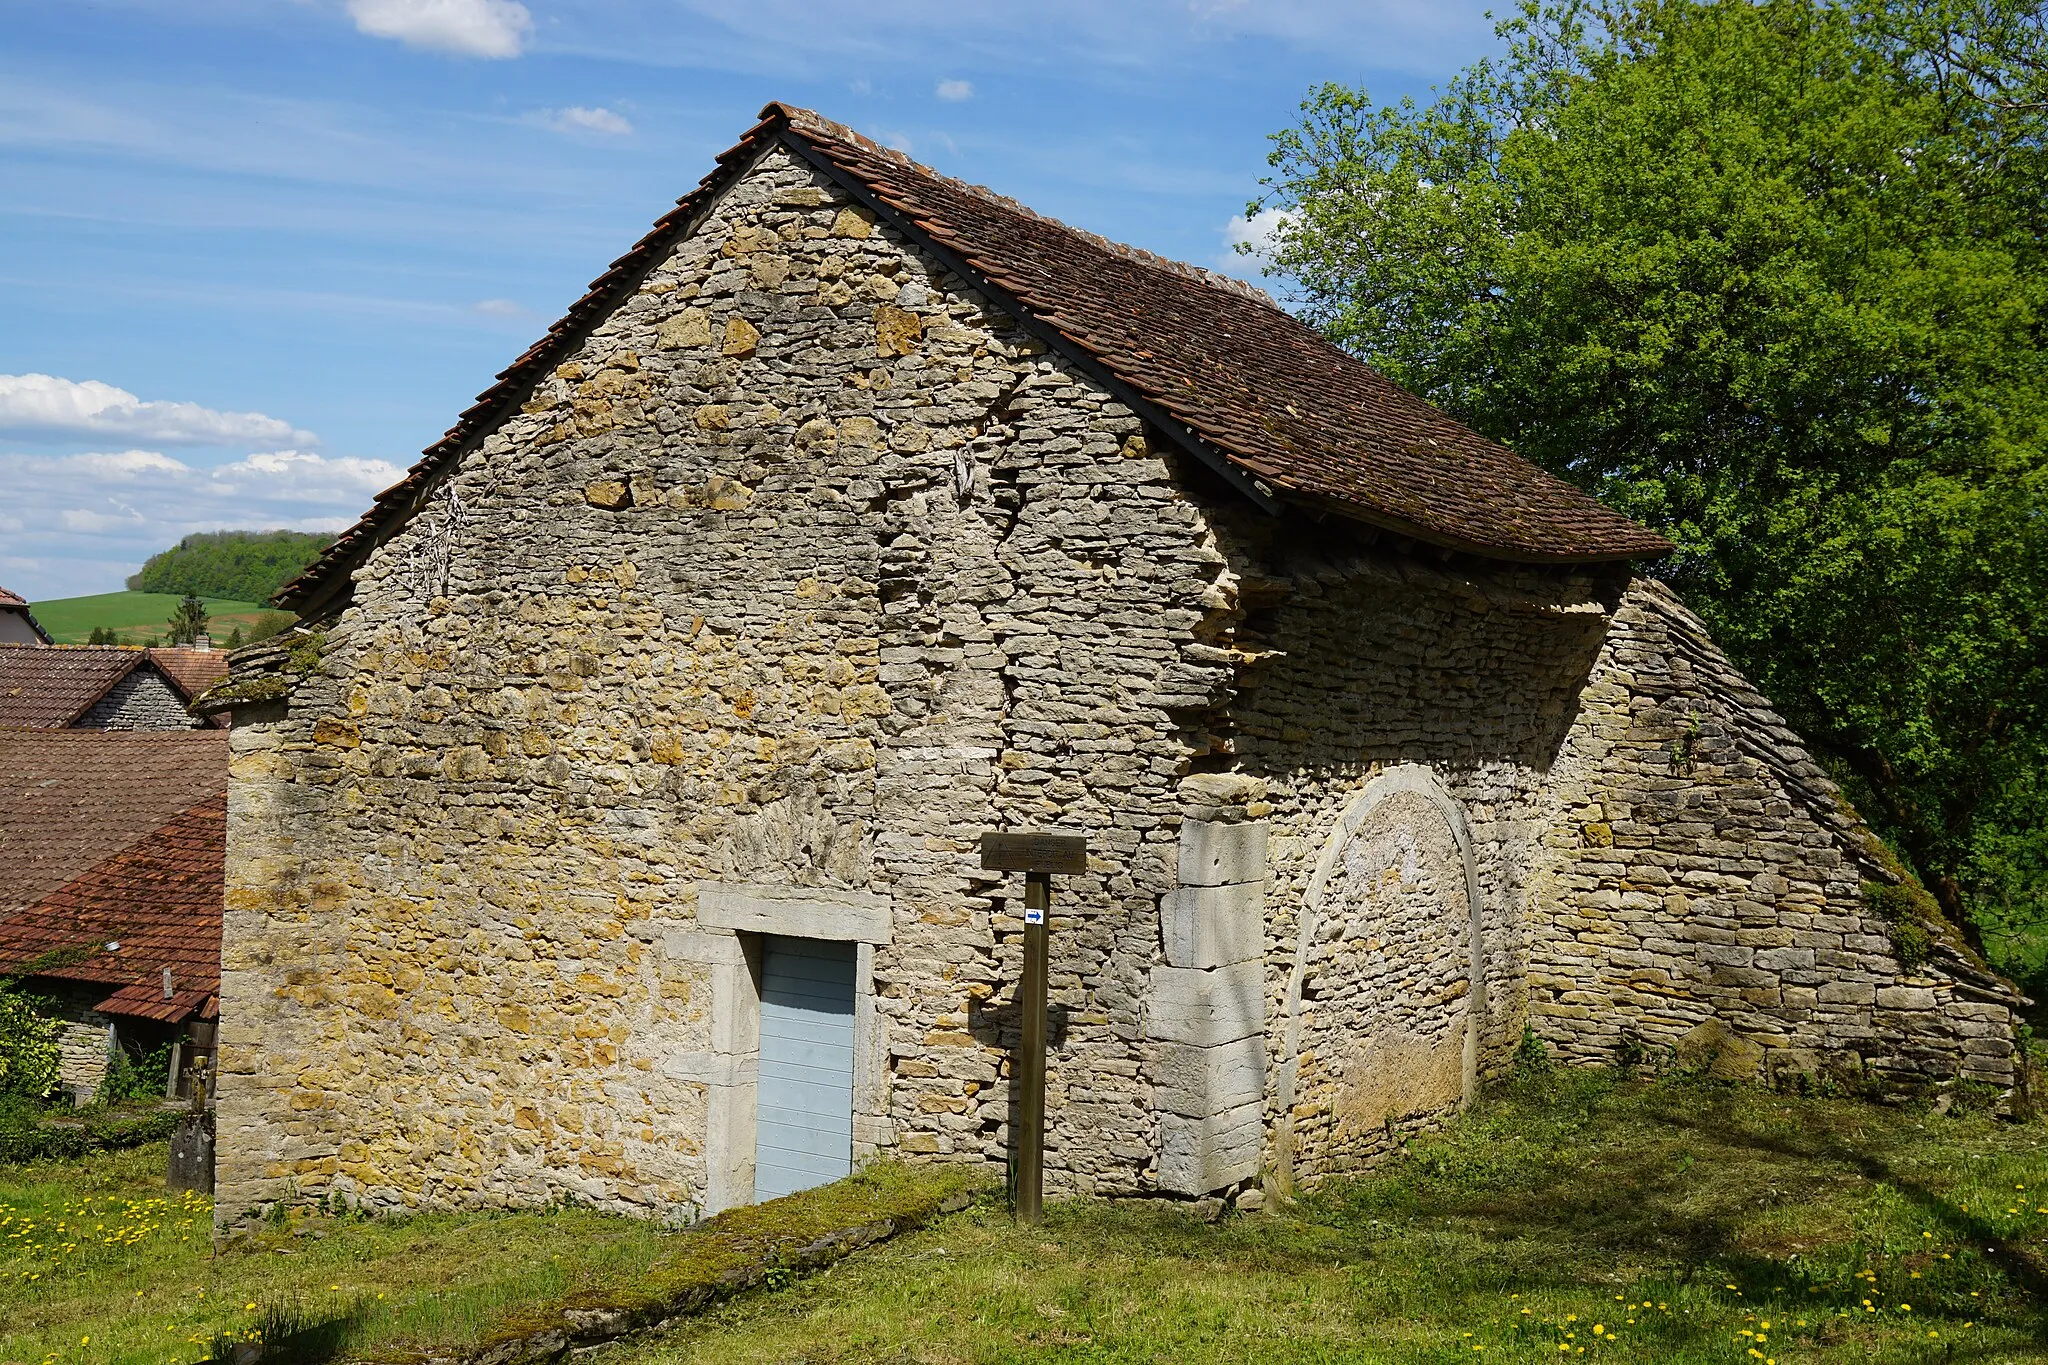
{"x": 1387, "y": 996}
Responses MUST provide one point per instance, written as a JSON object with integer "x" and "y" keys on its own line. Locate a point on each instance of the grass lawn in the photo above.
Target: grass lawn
{"x": 98, "y": 1263}
{"x": 1576, "y": 1217}
{"x": 135, "y": 616}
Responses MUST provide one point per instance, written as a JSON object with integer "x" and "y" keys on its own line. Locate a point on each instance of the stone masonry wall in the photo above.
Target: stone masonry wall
{"x": 1704, "y": 889}
{"x": 809, "y": 567}
{"x": 1357, "y": 664}
{"x": 144, "y": 700}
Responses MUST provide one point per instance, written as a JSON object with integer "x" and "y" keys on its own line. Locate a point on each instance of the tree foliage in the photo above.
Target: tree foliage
{"x": 28, "y": 1048}
{"x": 187, "y": 623}
{"x": 246, "y": 566}
{"x": 1768, "y": 276}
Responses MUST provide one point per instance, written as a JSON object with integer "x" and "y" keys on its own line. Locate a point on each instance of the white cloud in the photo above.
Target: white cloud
{"x": 1260, "y": 234}
{"x": 45, "y": 405}
{"x": 577, "y": 119}
{"x": 860, "y": 86}
{"x": 75, "y": 524}
{"x": 956, "y": 91}
{"x": 498, "y": 308}
{"x": 463, "y": 28}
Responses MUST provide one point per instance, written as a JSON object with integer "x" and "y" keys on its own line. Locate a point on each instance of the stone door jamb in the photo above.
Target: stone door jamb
{"x": 732, "y": 917}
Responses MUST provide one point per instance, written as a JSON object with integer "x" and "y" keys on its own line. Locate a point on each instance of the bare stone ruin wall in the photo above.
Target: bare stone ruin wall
{"x": 801, "y": 573}
{"x": 1704, "y": 890}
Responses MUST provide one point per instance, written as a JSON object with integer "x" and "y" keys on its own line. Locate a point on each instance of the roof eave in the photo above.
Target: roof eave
{"x": 1513, "y": 554}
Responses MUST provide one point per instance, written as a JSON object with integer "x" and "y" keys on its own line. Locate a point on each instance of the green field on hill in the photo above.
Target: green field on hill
{"x": 136, "y": 617}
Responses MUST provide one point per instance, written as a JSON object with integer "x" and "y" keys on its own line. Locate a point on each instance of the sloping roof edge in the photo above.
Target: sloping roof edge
{"x": 806, "y": 133}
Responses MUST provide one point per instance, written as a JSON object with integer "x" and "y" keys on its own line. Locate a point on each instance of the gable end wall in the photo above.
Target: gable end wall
{"x": 807, "y": 569}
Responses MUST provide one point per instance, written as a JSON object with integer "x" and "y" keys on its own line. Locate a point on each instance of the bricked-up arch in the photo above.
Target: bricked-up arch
{"x": 1390, "y": 942}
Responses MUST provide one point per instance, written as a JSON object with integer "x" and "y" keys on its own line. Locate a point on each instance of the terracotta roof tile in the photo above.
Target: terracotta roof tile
{"x": 12, "y": 599}
{"x": 69, "y": 799}
{"x": 193, "y": 670}
{"x": 1212, "y": 354}
{"x": 159, "y": 900}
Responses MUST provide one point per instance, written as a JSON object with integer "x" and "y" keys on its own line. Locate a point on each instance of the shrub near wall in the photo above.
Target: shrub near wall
{"x": 29, "y": 1133}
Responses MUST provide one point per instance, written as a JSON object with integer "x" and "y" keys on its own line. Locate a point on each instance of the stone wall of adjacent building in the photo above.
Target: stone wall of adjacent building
{"x": 1705, "y": 891}
{"x": 144, "y": 700}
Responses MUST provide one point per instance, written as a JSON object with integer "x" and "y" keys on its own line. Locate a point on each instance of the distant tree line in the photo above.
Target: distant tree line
{"x": 246, "y": 566}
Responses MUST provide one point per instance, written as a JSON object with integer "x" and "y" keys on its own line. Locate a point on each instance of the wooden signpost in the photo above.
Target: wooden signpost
{"x": 1038, "y": 857}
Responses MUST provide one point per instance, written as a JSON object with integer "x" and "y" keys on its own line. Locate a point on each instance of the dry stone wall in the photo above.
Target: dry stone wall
{"x": 1706, "y": 890}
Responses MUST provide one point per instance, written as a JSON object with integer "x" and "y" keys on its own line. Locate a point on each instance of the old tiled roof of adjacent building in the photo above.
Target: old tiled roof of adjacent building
{"x": 1212, "y": 360}
{"x": 52, "y": 686}
{"x": 14, "y": 604}
{"x": 153, "y": 906}
{"x": 70, "y": 799}
{"x": 192, "y": 669}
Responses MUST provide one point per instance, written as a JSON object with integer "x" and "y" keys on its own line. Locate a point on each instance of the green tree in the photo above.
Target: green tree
{"x": 1768, "y": 276}
{"x": 243, "y": 566}
{"x": 188, "y": 622}
{"x": 103, "y": 635}
{"x": 28, "y": 1048}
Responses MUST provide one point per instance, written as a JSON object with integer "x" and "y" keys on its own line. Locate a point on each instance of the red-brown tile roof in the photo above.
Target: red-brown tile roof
{"x": 1210, "y": 354}
{"x": 69, "y": 799}
{"x": 193, "y": 670}
{"x": 12, "y": 599}
{"x": 53, "y": 685}
{"x": 154, "y": 905}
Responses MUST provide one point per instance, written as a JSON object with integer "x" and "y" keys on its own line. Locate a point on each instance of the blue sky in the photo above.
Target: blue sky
{"x": 255, "y": 254}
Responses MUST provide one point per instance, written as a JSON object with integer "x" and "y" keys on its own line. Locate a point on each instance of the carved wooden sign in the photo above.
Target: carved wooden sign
{"x": 1033, "y": 851}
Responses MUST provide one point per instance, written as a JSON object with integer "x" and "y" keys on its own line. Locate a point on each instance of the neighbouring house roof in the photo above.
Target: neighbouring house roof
{"x": 153, "y": 905}
{"x": 192, "y": 669}
{"x": 52, "y": 686}
{"x": 1211, "y": 358}
{"x": 13, "y": 603}
{"x": 70, "y": 799}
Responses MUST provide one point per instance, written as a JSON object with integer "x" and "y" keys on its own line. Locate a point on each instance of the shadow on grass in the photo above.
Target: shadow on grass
{"x": 290, "y": 1332}
{"x": 1689, "y": 1173}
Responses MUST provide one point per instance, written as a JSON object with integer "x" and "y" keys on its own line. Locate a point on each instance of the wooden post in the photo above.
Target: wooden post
{"x": 1037, "y": 856}
{"x": 1031, "y": 1094}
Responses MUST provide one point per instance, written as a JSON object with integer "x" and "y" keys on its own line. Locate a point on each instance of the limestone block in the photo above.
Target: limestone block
{"x": 1217, "y": 854}
{"x": 1200, "y": 1155}
{"x": 1726, "y": 1055}
{"x": 800, "y": 912}
{"x": 1196, "y": 1082}
{"x": 1214, "y": 926}
{"x": 1905, "y": 998}
{"x": 1208, "y": 1008}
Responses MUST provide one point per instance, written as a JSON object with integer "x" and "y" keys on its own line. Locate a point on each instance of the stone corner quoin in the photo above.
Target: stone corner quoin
{"x": 810, "y": 564}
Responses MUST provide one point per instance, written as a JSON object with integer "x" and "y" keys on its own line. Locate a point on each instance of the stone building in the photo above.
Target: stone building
{"x": 104, "y": 687}
{"x": 111, "y": 847}
{"x": 609, "y": 829}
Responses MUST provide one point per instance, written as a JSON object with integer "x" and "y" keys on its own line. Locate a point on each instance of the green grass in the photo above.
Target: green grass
{"x": 134, "y": 616}
{"x": 98, "y": 1263}
{"x": 1656, "y": 1223}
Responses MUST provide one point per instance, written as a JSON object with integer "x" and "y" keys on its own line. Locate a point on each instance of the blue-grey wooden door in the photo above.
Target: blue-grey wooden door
{"x": 804, "y": 1126}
